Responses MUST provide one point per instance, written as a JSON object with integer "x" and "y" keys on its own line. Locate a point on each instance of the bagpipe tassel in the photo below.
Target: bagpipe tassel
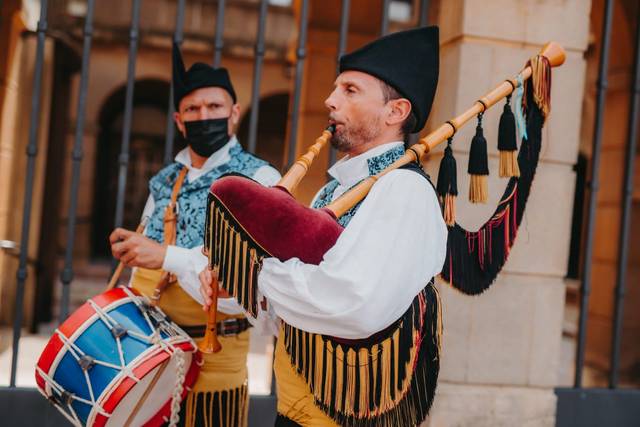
{"x": 447, "y": 187}
{"x": 541, "y": 81}
{"x": 507, "y": 143}
{"x": 478, "y": 166}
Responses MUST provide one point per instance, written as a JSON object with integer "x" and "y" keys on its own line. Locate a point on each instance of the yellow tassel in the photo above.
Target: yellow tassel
{"x": 450, "y": 209}
{"x": 509, "y": 164}
{"x": 478, "y": 189}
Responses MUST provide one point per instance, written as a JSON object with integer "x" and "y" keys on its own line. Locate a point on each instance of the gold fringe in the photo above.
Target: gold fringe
{"x": 357, "y": 365}
{"x": 449, "y": 209}
{"x": 509, "y": 164}
{"x": 541, "y": 80}
{"x": 206, "y": 408}
{"x": 478, "y": 189}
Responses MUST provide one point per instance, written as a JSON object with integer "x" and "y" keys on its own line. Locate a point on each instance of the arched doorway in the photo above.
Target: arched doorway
{"x": 147, "y": 141}
{"x": 272, "y": 128}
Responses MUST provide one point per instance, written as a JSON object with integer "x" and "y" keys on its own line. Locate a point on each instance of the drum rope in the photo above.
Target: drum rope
{"x": 176, "y": 398}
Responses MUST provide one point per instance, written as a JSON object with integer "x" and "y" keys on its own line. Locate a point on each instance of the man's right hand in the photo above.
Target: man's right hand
{"x": 136, "y": 250}
{"x": 207, "y": 277}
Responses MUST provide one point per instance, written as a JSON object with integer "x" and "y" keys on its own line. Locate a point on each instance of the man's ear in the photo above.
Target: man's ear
{"x": 399, "y": 110}
{"x": 234, "y": 118}
{"x": 179, "y": 124}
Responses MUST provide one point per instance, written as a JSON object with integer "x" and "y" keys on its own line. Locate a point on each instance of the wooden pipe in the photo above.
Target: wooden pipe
{"x": 118, "y": 271}
{"x": 299, "y": 169}
{"x": 552, "y": 51}
{"x": 210, "y": 343}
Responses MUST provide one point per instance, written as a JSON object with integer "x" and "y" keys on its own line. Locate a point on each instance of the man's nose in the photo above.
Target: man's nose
{"x": 203, "y": 113}
{"x": 330, "y": 102}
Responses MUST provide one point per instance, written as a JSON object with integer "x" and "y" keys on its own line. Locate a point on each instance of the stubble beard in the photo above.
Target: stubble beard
{"x": 347, "y": 137}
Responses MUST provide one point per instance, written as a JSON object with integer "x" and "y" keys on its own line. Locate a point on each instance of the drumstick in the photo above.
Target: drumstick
{"x": 118, "y": 271}
{"x": 146, "y": 393}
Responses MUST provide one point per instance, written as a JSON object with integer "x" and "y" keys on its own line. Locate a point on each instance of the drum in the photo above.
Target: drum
{"x": 117, "y": 361}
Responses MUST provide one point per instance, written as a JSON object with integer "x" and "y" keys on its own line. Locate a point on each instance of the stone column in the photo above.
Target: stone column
{"x": 501, "y": 349}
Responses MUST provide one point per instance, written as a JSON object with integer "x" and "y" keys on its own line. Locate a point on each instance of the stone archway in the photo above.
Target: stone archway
{"x": 145, "y": 157}
{"x": 272, "y": 128}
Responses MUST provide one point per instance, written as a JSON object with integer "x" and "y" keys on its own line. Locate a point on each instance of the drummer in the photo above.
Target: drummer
{"x": 168, "y": 256}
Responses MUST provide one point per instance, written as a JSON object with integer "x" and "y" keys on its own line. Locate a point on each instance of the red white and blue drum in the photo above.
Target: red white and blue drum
{"x": 117, "y": 361}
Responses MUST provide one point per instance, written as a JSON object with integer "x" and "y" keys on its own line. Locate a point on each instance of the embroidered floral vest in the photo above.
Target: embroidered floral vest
{"x": 192, "y": 198}
{"x": 376, "y": 165}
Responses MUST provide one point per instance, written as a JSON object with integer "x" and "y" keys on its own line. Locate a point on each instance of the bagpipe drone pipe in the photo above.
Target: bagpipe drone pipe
{"x": 247, "y": 222}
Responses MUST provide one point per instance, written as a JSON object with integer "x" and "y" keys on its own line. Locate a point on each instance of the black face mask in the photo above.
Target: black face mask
{"x": 205, "y": 137}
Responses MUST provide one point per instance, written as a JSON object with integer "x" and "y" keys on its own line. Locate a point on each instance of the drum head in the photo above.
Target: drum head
{"x": 148, "y": 397}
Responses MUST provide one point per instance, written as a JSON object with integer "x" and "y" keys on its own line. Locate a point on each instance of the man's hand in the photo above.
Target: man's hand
{"x": 207, "y": 277}
{"x": 136, "y": 250}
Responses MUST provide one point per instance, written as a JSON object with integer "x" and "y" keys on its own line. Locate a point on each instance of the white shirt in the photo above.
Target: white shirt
{"x": 185, "y": 263}
{"x": 394, "y": 244}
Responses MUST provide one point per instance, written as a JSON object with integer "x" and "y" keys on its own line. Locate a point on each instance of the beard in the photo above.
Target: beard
{"x": 350, "y": 136}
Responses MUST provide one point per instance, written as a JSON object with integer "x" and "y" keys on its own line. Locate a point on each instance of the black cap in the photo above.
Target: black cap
{"x": 408, "y": 61}
{"x": 198, "y": 76}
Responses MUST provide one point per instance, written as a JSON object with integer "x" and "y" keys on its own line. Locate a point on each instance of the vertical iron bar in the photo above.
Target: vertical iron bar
{"x": 623, "y": 249}
{"x": 177, "y": 37}
{"x": 257, "y": 75}
{"x": 344, "y": 32}
{"x": 219, "y": 43}
{"x": 342, "y": 46}
{"x": 66, "y": 276}
{"x": 384, "y": 26}
{"x": 423, "y": 19}
{"x": 123, "y": 160}
{"x": 32, "y": 152}
{"x": 301, "y": 53}
{"x": 593, "y": 197}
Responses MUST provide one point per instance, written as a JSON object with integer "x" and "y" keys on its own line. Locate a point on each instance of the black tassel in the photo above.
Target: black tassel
{"x": 478, "y": 166}
{"x": 312, "y": 362}
{"x": 345, "y": 367}
{"x": 447, "y": 187}
{"x": 307, "y": 351}
{"x": 323, "y": 388}
{"x": 299, "y": 350}
{"x": 294, "y": 347}
{"x": 334, "y": 377}
{"x": 507, "y": 142}
{"x": 392, "y": 364}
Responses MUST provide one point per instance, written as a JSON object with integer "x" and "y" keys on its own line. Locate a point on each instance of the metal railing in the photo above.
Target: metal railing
{"x": 614, "y": 405}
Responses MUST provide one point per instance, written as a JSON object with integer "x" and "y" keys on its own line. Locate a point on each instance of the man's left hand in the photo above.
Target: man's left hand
{"x": 136, "y": 250}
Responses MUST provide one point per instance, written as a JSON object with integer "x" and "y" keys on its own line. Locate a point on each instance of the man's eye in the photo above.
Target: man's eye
{"x": 190, "y": 109}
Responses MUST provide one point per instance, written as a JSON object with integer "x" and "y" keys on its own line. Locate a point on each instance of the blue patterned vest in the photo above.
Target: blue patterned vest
{"x": 376, "y": 164}
{"x": 192, "y": 198}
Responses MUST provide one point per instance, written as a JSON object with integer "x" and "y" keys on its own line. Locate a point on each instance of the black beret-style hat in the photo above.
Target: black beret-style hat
{"x": 408, "y": 61}
{"x": 198, "y": 76}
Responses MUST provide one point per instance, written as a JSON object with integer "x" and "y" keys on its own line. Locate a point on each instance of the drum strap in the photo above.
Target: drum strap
{"x": 170, "y": 227}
